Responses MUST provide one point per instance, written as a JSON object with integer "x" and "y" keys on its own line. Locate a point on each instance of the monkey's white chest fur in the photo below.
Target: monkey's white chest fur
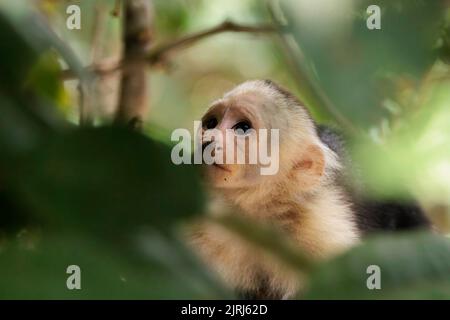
{"x": 322, "y": 228}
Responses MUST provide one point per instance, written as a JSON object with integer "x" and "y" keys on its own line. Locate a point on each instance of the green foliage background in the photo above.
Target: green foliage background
{"x": 111, "y": 201}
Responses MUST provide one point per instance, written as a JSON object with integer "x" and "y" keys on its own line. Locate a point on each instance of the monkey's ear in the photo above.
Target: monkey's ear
{"x": 309, "y": 168}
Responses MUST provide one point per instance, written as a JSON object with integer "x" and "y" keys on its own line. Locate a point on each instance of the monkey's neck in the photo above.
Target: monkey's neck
{"x": 322, "y": 221}
{"x": 269, "y": 201}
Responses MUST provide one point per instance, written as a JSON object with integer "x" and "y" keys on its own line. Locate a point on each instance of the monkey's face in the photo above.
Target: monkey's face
{"x": 231, "y": 134}
{"x": 243, "y": 123}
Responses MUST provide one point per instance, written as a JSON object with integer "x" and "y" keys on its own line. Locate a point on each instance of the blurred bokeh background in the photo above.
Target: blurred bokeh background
{"x": 387, "y": 90}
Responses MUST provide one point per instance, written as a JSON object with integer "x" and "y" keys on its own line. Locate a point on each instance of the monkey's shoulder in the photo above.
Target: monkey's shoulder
{"x": 371, "y": 215}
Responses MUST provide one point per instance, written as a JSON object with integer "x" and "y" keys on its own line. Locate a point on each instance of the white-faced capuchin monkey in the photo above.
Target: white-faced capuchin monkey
{"x": 309, "y": 198}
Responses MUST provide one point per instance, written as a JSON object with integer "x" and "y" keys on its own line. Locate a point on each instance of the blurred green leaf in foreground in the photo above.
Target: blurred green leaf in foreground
{"x": 111, "y": 201}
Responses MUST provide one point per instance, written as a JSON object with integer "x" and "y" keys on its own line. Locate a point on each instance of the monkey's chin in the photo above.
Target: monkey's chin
{"x": 219, "y": 175}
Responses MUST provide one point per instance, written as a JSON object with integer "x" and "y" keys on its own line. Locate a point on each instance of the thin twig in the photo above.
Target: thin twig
{"x": 87, "y": 92}
{"x": 159, "y": 52}
{"x": 81, "y": 105}
{"x": 100, "y": 69}
{"x": 308, "y": 87}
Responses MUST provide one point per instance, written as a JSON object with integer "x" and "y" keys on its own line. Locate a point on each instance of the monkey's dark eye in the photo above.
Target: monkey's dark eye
{"x": 242, "y": 127}
{"x": 210, "y": 123}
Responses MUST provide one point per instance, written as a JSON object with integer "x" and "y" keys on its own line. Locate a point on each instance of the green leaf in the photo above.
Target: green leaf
{"x": 44, "y": 80}
{"x": 413, "y": 266}
{"x": 107, "y": 179}
{"x": 17, "y": 57}
{"x": 29, "y": 76}
{"x": 38, "y": 271}
{"x": 110, "y": 191}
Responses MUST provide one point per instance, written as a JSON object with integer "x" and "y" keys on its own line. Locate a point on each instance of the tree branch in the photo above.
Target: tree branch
{"x": 158, "y": 53}
{"x": 137, "y": 35}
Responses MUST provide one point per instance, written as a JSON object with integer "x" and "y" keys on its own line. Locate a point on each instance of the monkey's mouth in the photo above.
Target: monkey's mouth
{"x": 221, "y": 167}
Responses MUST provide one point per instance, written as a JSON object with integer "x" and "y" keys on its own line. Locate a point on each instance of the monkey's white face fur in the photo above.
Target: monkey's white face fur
{"x": 261, "y": 105}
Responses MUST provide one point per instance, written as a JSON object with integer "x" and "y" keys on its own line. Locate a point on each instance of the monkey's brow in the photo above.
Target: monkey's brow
{"x": 211, "y": 111}
{"x": 247, "y": 113}
{"x": 207, "y": 116}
